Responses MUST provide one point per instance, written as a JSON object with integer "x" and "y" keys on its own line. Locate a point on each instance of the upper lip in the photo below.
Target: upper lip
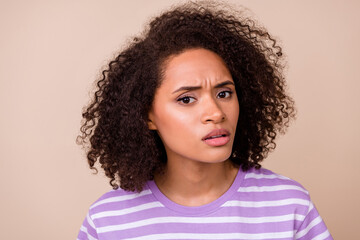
{"x": 217, "y": 132}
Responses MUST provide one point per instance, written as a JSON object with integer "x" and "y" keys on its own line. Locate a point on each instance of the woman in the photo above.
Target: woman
{"x": 180, "y": 122}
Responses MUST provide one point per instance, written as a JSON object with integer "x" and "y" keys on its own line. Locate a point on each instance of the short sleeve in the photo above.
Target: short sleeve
{"x": 87, "y": 230}
{"x": 312, "y": 227}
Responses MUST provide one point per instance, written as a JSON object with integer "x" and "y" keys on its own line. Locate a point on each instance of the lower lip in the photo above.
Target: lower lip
{"x": 216, "y": 142}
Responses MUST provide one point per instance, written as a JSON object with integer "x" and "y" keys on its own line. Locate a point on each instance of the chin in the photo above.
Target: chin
{"x": 218, "y": 157}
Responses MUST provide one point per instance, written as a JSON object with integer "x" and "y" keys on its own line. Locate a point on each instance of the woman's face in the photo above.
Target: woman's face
{"x": 197, "y": 97}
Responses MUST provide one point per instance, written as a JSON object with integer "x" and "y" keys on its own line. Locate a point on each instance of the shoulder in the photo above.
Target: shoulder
{"x": 118, "y": 200}
{"x": 271, "y": 193}
{"x": 265, "y": 177}
{"x": 272, "y": 185}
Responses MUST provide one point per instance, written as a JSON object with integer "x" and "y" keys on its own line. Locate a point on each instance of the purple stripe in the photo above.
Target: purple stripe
{"x": 252, "y": 182}
{"x": 113, "y": 206}
{"x": 202, "y": 228}
{"x": 269, "y": 196}
{"x": 82, "y": 236}
{"x": 261, "y": 212}
{"x": 132, "y": 217}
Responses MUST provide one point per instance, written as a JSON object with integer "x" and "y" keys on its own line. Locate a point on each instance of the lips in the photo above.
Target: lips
{"x": 216, "y": 133}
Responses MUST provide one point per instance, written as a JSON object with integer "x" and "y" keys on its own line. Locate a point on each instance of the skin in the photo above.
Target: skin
{"x": 196, "y": 173}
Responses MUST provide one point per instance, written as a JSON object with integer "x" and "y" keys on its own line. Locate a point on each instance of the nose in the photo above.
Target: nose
{"x": 212, "y": 112}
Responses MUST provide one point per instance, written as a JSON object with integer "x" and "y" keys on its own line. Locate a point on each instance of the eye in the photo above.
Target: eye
{"x": 224, "y": 94}
{"x": 186, "y": 100}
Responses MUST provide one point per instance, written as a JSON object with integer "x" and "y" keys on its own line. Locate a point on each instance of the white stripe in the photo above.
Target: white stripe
{"x": 312, "y": 224}
{"x": 127, "y": 210}
{"x": 274, "y": 235}
{"x": 311, "y": 207}
{"x": 90, "y": 221}
{"x": 322, "y": 236}
{"x": 121, "y": 198}
{"x": 84, "y": 229}
{"x": 201, "y": 220}
{"x": 271, "y": 188}
{"x": 261, "y": 176}
{"x": 259, "y": 204}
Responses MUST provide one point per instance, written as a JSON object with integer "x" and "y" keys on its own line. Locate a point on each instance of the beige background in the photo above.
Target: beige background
{"x": 52, "y": 51}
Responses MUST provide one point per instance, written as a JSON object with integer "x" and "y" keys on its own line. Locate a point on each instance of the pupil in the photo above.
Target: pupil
{"x": 186, "y": 100}
{"x": 222, "y": 94}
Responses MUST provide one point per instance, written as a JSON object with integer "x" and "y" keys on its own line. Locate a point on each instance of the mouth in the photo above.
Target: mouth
{"x": 217, "y": 137}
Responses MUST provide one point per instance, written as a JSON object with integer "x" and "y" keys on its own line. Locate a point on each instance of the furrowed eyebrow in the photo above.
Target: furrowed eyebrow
{"x": 191, "y": 88}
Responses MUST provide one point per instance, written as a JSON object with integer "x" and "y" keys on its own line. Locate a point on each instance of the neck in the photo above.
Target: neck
{"x": 192, "y": 183}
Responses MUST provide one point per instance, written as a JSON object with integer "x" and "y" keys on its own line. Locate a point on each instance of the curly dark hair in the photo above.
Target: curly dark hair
{"x": 115, "y": 131}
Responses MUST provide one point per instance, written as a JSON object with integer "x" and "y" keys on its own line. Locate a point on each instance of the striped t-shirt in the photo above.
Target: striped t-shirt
{"x": 259, "y": 205}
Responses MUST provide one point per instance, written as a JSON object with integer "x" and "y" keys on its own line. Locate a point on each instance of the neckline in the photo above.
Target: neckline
{"x": 198, "y": 210}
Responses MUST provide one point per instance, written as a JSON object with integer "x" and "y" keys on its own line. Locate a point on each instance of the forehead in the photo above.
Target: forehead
{"x": 194, "y": 66}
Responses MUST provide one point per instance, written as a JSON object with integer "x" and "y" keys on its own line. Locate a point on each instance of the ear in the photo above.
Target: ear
{"x": 150, "y": 122}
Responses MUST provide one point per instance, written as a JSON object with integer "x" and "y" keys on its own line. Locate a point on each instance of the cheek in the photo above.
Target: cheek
{"x": 175, "y": 124}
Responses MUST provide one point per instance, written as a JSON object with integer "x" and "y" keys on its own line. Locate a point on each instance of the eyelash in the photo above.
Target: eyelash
{"x": 184, "y": 97}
